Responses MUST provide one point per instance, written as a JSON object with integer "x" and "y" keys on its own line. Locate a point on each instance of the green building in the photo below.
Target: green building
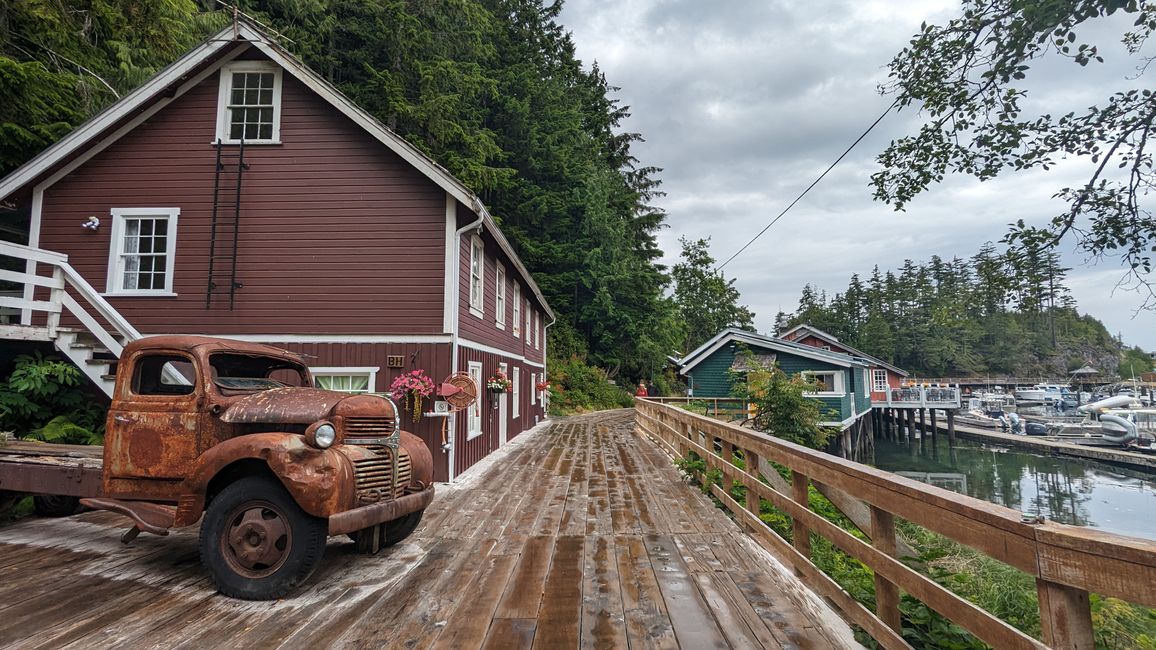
{"x": 846, "y": 388}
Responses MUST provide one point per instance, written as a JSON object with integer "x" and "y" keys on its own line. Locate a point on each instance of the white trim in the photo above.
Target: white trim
{"x": 516, "y": 390}
{"x": 516, "y": 320}
{"x": 536, "y": 321}
{"x": 842, "y": 424}
{"x": 349, "y": 371}
{"x": 875, "y": 381}
{"x": 450, "y": 276}
{"x": 466, "y": 343}
{"x": 499, "y": 295}
{"x": 476, "y": 407}
{"x": 225, "y": 87}
{"x": 478, "y": 261}
{"x": 113, "y": 282}
{"x": 33, "y": 242}
{"x": 533, "y": 389}
{"x": 327, "y": 338}
{"x": 726, "y": 336}
{"x": 838, "y": 381}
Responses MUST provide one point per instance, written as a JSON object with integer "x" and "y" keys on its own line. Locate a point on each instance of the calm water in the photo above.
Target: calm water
{"x": 1069, "y": 491}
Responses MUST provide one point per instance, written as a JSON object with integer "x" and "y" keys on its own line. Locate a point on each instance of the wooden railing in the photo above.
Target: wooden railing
{"x": 1067, "y": 562}
{"x": 90, "y": 310}
{"x": 717, "y": 407}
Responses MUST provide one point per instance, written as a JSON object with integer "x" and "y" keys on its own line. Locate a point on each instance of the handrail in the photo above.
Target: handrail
{"x": 1068, "y": 562}
{"x": 64, "y": 276}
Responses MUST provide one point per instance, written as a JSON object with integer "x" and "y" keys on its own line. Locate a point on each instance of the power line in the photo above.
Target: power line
{"x": 813, "y": 184}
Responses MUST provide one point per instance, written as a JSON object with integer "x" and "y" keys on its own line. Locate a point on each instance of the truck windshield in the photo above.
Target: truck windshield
{"x": 243, "y": 372}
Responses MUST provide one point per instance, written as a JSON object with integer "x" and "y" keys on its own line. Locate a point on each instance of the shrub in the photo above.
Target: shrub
{"x": 576, "y": 387}
{"x": 44, "y": 398}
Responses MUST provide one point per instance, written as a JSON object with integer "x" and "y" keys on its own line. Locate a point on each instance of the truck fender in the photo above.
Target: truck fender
{"x": 321, "y": 481}
{"x": 420, "y": 458}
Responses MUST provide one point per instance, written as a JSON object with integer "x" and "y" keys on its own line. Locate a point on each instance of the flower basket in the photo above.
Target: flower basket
{"x": 498, "y": 383}
{"x": 542, "y": 386}
{"x": 409, "y": 389}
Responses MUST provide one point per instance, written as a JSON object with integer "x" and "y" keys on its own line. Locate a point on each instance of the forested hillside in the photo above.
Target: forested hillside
{"x": 489, "y": 88}
{"x": 999, "y": 312}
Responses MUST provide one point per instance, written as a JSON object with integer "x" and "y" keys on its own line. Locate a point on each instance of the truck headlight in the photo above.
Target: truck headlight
{"x": 321, "y": 435}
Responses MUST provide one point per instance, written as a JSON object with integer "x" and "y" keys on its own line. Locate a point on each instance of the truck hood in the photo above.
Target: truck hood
{"x": 285, "y": 405}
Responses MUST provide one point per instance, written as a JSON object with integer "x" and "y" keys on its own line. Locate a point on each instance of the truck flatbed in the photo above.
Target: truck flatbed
{"x": 49, "y": 468}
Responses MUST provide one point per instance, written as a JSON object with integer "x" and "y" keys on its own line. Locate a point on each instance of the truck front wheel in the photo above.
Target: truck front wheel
{"x": 394, "y": 532}
{"x": 257, "y": 543}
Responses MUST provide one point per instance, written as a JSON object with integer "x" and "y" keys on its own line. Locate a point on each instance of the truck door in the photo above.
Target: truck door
{"x": 152, "y": 425}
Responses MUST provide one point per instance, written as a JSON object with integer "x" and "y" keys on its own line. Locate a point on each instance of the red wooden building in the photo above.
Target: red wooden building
{"x": 882, "y": 375}
{"x": 238, "y": 194}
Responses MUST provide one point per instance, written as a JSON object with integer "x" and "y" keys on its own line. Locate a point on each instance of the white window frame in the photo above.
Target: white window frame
{"x": 368, "y": 372}
{"x": 500, "y": 297}
{"x": 535, "y": 329}
{"x": 879, "y": 381}
{"x": 477, "y": 277}
{"x": 474, "y": 421}
{"x": 837, "y": 382}
{"x": 517, "y": 319}
{"x": 226, "y": 86}
{"x": 515, "y": 383}
{"x": 866, "y": 390}
{"x": 114, "y": 283}
{"x": 528, "y": 330}
{"x": 533, "y": 389}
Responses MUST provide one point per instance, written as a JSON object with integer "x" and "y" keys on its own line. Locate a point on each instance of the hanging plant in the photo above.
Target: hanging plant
{"x": 409, "y": 389}
{"x": 498, "y": 382}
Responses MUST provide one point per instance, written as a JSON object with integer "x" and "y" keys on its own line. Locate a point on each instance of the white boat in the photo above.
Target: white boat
{"x": 996, "y": 401}
{"x": 1040, "y": 393}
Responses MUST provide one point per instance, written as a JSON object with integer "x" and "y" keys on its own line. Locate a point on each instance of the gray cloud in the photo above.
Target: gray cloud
{"x": 744, "y": 102}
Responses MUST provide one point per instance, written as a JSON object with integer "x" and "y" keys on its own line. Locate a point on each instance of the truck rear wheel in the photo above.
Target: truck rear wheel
{"x": 50, "y": 505}
{"x": 257, "y": 543}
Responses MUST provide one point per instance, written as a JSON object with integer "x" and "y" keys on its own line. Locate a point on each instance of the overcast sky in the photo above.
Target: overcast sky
{"x": 744, "y": 102}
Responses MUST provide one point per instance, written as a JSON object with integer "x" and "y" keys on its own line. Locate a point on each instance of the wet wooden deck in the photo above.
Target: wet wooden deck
{"x": 580, "y": 534}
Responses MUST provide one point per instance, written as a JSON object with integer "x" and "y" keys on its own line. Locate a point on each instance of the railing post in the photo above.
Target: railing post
{"x": 800, "y": 533}
{"x": 754, "y": 504}
{"x": 886, "y": 593}
{"x": 57, "y": 299}
{"x": 728, "y": 456}
{"x": 1065, "y": 616}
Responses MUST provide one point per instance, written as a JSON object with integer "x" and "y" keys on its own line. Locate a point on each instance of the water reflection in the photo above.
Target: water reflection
{"x": 1070, "y": 491}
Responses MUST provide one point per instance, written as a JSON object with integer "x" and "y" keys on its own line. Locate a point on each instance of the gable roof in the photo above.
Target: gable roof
{"x": 820, "y": 334}
{"x": 750, "y": 338}
{"x": 210, "y": 55}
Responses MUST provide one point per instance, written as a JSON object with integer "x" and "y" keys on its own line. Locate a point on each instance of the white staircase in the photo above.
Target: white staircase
{"x": 95, "y": 346}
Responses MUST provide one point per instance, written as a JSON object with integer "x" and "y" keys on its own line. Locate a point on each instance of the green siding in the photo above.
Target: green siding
{"x": 712, "y": 379}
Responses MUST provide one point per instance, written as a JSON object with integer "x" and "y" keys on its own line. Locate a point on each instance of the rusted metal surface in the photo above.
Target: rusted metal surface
{"x": 320, "y": 480}
{"x": 378, "y": 513}
{"x": 283, "y": 405}
{"x": 49, "y": 475}
{"x": 149, "y": 517}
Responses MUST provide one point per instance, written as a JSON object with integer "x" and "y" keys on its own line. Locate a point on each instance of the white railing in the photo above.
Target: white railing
{"x": 919, "y": 397}
{"x": 63, "y": 279}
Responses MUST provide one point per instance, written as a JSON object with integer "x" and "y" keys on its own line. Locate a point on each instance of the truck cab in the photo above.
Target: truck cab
{"x": 234, "y": 435}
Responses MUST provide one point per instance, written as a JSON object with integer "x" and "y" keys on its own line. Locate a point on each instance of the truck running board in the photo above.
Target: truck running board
{"x": 148, "y": 517}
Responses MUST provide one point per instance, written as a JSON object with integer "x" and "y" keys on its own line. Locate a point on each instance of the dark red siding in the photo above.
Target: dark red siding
{"x": 484, "y": 329}
{"x": 338, "y": 234}
{"x": 471, "y": 451}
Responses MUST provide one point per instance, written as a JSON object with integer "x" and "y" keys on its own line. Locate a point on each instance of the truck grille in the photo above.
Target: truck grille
{"x": 373, "y": 476}
{"x": 368, "y": 428}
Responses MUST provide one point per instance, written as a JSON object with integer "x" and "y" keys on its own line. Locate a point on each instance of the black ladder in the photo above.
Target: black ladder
{"x": 225, "y": 226}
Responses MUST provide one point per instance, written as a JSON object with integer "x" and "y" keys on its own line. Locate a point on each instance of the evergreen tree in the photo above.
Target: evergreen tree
{"x": 707, "y": 301}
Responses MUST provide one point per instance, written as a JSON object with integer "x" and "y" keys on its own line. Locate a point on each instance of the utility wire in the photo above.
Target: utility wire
{"x": 813, "y": 184}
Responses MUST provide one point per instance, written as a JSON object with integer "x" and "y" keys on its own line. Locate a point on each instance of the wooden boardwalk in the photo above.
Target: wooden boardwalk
{"x": 580, "y": 534}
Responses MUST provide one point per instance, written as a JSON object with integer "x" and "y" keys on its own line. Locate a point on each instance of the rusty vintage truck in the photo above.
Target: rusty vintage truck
{"x": 234, "y": 435}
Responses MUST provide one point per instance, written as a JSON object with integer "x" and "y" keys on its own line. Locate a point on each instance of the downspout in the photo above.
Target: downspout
{"x": 545, "y": 371}
{"x": 455, "y": 299}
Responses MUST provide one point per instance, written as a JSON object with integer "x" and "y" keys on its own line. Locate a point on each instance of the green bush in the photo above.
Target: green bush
{"x": 44, "y": 398}
{"x": 576, "y": 387}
